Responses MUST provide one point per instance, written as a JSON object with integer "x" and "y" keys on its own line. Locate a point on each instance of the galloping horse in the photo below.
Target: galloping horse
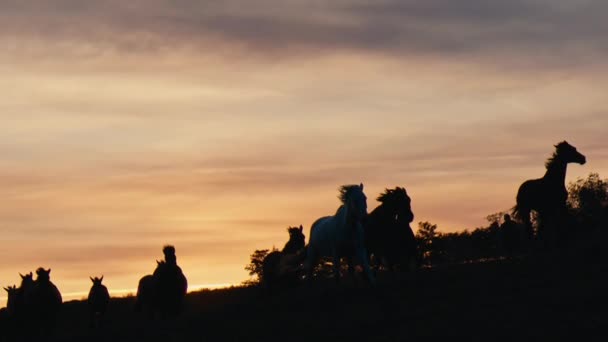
{"x": 280, "y": 267}
{"x": 340, "y": 235}
{"x": 388, "y": 235}
{"x": 548, "y": 195}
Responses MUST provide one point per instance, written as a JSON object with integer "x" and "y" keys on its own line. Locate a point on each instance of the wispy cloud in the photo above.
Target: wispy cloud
{"x": 523, "y": 32}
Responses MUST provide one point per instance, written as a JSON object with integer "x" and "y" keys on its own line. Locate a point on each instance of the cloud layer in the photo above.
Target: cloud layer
{"x": 531, "y": 33}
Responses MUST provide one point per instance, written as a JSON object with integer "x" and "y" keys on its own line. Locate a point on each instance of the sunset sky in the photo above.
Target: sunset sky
{"x": 215, "y": 125}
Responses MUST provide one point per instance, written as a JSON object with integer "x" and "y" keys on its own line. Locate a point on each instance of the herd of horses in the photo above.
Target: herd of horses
{"x": 385, "y": 236}
{"x": 351, "y": 233}
{"x": 382, "y": 237}
{"x": 35, "y": 302}
{"x": 32, "y": 308}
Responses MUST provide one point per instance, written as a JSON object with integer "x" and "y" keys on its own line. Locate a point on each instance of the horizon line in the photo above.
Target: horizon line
{"x": 122, "y": 293}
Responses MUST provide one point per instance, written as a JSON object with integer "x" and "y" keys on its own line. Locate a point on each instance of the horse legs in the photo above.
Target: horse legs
{"x": 361, "y": 255}
{"x": 309, "y": 263}
{"x": 528, "y": 232}
{"x": 336, "y": 265}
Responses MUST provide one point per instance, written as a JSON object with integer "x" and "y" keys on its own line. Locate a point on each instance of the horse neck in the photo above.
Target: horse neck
{"x": 382, "y": 212}
{"x": 341, "y": 217}
{"x": 556, "y": 171}
{"x": 290, "y": 247}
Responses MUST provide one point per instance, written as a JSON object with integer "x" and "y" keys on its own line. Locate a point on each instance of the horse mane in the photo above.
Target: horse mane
{"x": 346, "y": 191}
{"x": 555, "y": 156}
{"x": 391, "y": 194}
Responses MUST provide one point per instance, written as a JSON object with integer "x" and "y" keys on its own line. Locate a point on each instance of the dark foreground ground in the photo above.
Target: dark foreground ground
{"x": 544, "y": 297}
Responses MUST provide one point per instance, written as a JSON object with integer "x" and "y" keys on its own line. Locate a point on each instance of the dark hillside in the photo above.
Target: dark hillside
{"x": 543, "y": 297}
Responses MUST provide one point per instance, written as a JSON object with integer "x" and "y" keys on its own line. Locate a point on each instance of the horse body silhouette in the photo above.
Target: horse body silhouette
{"x": 11, "y": 300}
{"x": 388, "y": 235}
{"x": 16, "y": 310}
{"x": 340, "y": 235}
{"x": 547, "y": 195}
{"x": 42, "y": 302}
{"x": 27, "y": 283}
{"x": 281, "y": 267}
{"x": 97, "y": 301}
{"x": 164, "y": 290}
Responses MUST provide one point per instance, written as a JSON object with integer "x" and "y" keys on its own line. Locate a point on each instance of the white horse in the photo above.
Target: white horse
{"x": 340, "y": 235}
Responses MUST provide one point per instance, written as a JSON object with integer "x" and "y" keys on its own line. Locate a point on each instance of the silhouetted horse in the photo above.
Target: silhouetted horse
{"x": 42, "y": 302}
{"x": 16, "y": 307}
{"x": 548, "y": 195}
{"x": 97, "y": 301}
{"x": 340, "y": 235}
{"x": 27, "y": 283}
{"x": 388, "y": 235}
{"x": 165, "y": 289}
{"x": 281, "y": 267}
{"x": 11, "y": 301}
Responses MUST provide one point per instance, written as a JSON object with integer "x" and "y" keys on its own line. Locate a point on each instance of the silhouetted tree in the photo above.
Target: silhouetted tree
{"x": 426, "y": 238}
{"x": 255, "y": 266}
{"x": 586, "y": 200}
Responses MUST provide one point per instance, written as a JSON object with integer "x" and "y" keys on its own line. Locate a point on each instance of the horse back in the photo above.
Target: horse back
{"x": 99, "y": 297}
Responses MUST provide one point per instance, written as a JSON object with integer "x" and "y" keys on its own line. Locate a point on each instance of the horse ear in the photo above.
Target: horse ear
{"x": 93, "y": 280}
{"x": 7, "y": 290}
{"x": 22, "y": 276}
{"x": 101, "y": 279}
{"x": 49, "y": 271}
{"x": 361, "y": 186}
{"x": 301, "y": 228}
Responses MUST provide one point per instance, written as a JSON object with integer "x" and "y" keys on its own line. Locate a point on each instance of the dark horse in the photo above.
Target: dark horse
{"x": 164, "y": 290}
{"x": 43, "y": 303}
{"x": 15, "y": 314}
{"x": 388, "y": 235}
{"x": 98, "y": 301}
{"x": 281, "y": 267}
{"x": 547, "y": 196}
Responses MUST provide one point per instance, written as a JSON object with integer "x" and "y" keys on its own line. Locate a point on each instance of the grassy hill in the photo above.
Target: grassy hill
{"x": 546, "y": 297}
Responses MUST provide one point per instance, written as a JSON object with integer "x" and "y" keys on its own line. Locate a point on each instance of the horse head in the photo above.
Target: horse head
{"x": 354, "y": 200}
{"x": 569, "y": 154}
{"x": 11, "y": 302}
{"x": 26, "y": 279}
{"x": 96, "y": 281}
{"x": 43, "y": 275}
{"x": 398, "y": 203}
{"x": 11, "y": 290}
{"x": 297, "y": 239}
{"x": 169, "y": 252}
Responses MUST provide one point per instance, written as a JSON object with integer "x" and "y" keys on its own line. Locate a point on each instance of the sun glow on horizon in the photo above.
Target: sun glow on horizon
{"x": 122, "y": 293}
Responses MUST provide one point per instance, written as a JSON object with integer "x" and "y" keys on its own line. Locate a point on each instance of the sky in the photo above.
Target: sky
{"x": 215, "y": 125}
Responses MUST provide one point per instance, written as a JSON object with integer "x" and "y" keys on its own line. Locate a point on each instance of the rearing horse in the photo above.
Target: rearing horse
{"x": 547, "y": 195}
{"x": 340, "y": 235}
